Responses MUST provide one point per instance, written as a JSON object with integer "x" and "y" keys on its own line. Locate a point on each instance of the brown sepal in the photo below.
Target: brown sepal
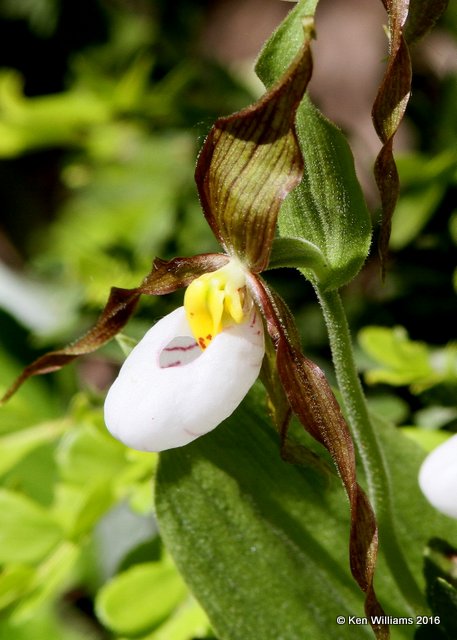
{"x": 249, "y": 162}
{"x": 164, "y": 277}
{"x": 387, "y": 113}
{"x": 315, "y": 405}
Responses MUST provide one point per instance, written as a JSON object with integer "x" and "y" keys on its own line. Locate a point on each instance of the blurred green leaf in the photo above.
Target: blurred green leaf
{"x": 404, "y": 361}
{"x": 424, "y": 182}
{"x": 14, "y": 582}
{"x": 78, "y": 508}
{"x": 16, "y": 445}
{"x": 187, "y": 622}
{"x": 88, "y": 456}
{"x": 126, "y": 343}
{"x": 444, "y": 604}
{"x": 435, "y": 417}
{"x": 50, "y": 577}
{"x": 45, "y": 623}
{"x": 440, "y": 574}
{"x": 122, "y": 211}
{"x": 28, "y": 532}
{"x": 140, "y": 598}
{"x": 60, "y": 119}
{"x": 34, "y": 405}
{"x": 425, "y": 438}
{"x": 389, "y": 407}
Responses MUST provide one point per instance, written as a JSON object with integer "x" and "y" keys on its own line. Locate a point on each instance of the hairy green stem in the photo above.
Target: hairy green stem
{"x": 355, "y": 406}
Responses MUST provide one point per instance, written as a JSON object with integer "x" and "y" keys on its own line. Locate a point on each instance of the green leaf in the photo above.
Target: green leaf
{"x": 435, "y": 417}
{"x": 47, "y": 623}
{"x": 327, "y": 209}
{"x": 404, "y": 361}
{"x": 413, "y": 211}
{"x": 282, "y": 46}
{"x": 29, "y": 123}
{"x": 78, "y": 508}
{"x": 87, "y": 455}
{"x": 441, "y": 586}
{"x": 186, "y": 623}
{"x": 296, "y": 252}
{"x": 257, "y": 538}
{"x": 14, "y": 582}
{"x": 35, "y": 405}
{"x": 138, "y": 599}
{"x": 28, "y": 533}
{"x": 424, "y": 181}
{"x": 444, "y": 602}
{"x": 416, "y": 521}
{"x": 426, "y": 438}
{"x": 15, "y": 446}
{"x": 49, "y": 578}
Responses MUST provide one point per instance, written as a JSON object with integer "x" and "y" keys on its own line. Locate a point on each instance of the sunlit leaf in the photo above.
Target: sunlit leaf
{"x": 140, "y": 598}
{"x": 81, "y": 451}
{"x": 14, "y": 582}
{"x": 406, "y": 362}
{"x": 186, "y": 623}
{"x": 50, "y": 577}
{"x": 426, "y": 438}
{"x": 15, "y": 446}
{"x": 28, "y": 532}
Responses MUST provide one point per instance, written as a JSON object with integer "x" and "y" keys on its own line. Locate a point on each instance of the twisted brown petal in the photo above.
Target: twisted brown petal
{"x": 164, "y": 277}
{"x": 315, "y": 405}
{"x": 409, "y": 20}
{"x": 250, "y": 162}
{"x": 388, "y": 111}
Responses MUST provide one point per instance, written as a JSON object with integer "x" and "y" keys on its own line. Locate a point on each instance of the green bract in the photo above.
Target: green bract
{"x": 327, "y": 210}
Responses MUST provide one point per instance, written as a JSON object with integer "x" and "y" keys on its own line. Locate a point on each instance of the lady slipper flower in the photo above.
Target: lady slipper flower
{"x": 438, "y": 477}
{"x": 192, "y": 369}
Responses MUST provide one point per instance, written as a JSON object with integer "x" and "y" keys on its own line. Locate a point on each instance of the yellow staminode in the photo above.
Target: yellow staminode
{"x": 215, "y": 300}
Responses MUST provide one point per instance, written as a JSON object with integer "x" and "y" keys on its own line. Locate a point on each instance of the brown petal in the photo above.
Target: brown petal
{"x": 164, "y": 277}
{"x": 315, "y": 405}
{"x": 388, "y": 111}
{"x": 249, "y": 162}
{"x": 409, "y": 20}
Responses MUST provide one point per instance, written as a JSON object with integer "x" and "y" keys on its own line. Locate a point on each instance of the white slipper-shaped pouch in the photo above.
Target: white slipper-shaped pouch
{"x": 438, "y": 477}
{"x": 170, "y": 392}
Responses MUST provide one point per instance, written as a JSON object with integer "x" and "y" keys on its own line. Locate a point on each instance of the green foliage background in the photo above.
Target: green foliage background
{"x": 102, "y": 110}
